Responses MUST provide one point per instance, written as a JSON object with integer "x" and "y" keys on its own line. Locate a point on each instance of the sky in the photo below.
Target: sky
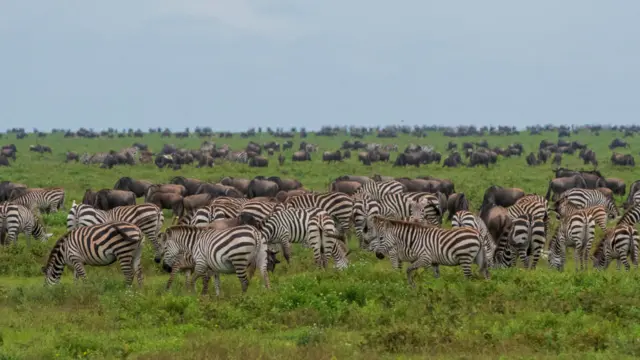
{"x": 235, "y": 64}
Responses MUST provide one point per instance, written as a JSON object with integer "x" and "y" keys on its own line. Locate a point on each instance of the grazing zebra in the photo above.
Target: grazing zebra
{"x": 238, "y": 156}
{"x": 148, "y": 217}
{"x": 583, "y": 198}
{"x": 534, "y": 204}
{"x": 219, "y": 208}
{"x": 465, "y": 218}
{"x": 426, "y": 246}
{"x": 363, "y": 207}
{"x": 338, "y": 205}
{"x": 620, "y": 243}
{"x": 577, "y": 230}
{"x": 399, "y": 206}
{"x": 238, "y": 250}
{"x": 376, "y": 190}
{"x": 16, "y": 218}
{"x": 504, "y": 255}
{"x": 48, "y": 200}
{"x": 631, "y": 216}
{"x": 305, "y": 226}
{"x": 255, "y": 212}
{"x": 327, "y": 244}
{"x": 97, "y": 245}
{"x": 528, "y": 228}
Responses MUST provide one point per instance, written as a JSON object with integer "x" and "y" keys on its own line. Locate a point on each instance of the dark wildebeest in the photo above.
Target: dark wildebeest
{"x": 344, "y": 186}
{"x": 258, "y": 161}
{"x": 301, "y": 156}
{"x": 138, "y": 187}
{"x": 617, "y": 186}
{"x": 241, "y": 184}
{"x": 4, "y": 161}
{"x": 330, "y": 156}
{"x": 70, "y": 156}
{"x": 260, "y": 186}
{"x": 455, "y": 203}
{"x": 560, "y": 185}
{"x": 107, "y": 199}
{"x": 593, "y": 178}
{"x": 286, "y": 184}
{"x": 497, "y": 195}
{"x": 217, "y": 190}
{"x": 7, "y": 188}
{"x": 190, "y": 184}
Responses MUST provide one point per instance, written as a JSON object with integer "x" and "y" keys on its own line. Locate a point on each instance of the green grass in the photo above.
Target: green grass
{"x": 365, "y": 312}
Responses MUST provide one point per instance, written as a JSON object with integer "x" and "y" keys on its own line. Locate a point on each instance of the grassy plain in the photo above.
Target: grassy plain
{"x": 366, "y": 312}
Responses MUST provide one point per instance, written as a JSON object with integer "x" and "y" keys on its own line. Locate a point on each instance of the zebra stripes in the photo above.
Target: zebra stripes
{"x": 363, "y": 207}
{"x": 311, "y": 227}
{"x": 620, "y": 243}
{"x": 238, "y": 250}
{"x": 47, "y": 200}
{"x": 527, "y": 231}
{"x": 220, "y": 208}
{"x": 464, "y": 218}
{"x": 583, "y": 198}
{"x": 238, "y": 156}
{"x": 338, "y": 205}
{"x": 148, "y": 217}
{"x": 16, "y": 218}
{"x": 97, "y": 245}
{"x": 377, "y": 190}
{"x": 426, "y": 246}
{"x": 631, "y": 216}
{"x": 576, "y": 230}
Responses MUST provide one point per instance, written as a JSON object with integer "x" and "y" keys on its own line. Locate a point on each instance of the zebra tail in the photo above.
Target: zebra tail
{"x": 61, "y": 203}
{"x": 3, "y": 230}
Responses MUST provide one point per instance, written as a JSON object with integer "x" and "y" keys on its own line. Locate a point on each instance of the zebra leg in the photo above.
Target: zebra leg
{"x": 174, "y": 271}
{"x": 242, "y": 275}
{"x": 126, "y": 264}
{"x": 205, "y": 283}
{"x": 577, "y": 255}
{"x": 413, "y": 267}
{"x": 216, "y": 282}
{"x": 286, "y": 250}
{"x": 78, "y": 270}
{"x": 436, "y": 270}
{"x": 625, "y": 261}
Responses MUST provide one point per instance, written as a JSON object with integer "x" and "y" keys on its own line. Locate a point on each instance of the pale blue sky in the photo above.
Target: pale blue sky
{"x": 232, "y": 64}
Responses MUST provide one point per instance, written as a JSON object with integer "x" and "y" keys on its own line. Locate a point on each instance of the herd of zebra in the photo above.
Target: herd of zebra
{"x": 239, "y": 235}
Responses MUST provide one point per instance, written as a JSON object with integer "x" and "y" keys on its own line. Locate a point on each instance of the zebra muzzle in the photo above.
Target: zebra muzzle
{"x": 166, "y": 268}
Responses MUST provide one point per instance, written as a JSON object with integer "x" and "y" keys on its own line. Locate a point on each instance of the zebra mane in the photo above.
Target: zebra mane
{"x": 628, "y": 216}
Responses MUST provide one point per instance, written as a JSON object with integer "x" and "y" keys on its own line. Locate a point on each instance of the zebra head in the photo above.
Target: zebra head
{"x": 380, "y": 240}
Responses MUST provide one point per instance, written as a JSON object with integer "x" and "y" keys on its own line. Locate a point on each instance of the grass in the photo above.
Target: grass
{"x": 365, "y": 312}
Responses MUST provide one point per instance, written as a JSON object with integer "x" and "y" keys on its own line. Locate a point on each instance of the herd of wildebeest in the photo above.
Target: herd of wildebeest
{"x": 238, "y": 225}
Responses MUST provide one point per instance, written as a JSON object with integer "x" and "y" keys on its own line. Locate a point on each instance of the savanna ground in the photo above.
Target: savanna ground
{"x": 365, "y": 312}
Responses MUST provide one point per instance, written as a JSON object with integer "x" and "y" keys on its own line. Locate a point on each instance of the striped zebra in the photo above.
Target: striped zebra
{"x": 148, "y": 217}
{"x": 577, "y": 230}
{"x": 504, "y": 255}
{"x": 16, "y": 218}
{"x": 238, "y": 156}
{"x": 97, "y": 245}
{"x": 312, "y": 227}
{"x": 583, "y": 198}
{"x": 631, "y": 216}
{"x": 47, "y": 200}
{"x": 527, "y": 231}
{"x": 218, "y": 209}
{"x": 363, "y": 207}
{"x": 327, "y": 245}
{"x": 536, "y": 205}
{"x": 620, "y": 243}
{"x": 376, "y": 190}
{"x": 338, "y": 205}
{"x": 238, "y": 250}
{"x": 399, "y": 206}
{"x": 256, "y": 212}
{"x": 632, "y": 200}
{"x": 465, "y": 218}
{"x": 426, "y": 246}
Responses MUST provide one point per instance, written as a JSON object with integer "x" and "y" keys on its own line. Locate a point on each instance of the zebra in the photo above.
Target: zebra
{"x": 376, "y": 190}
{"x": 338, "y": 205}
{"x": 576, "y": 230}
{"x": 618, "y": 243}
{"x": 426, "y": 246}
{"x": 363, "y": 207}
{"x": 218, "y": 209}
{"x": 536, "y": 205}
{"x": 97, "y": 245}
{"x": 504, "y": 255}
{"x": 306, "y": 226}
{"x": 148, "y": 217}
{"x": 16, "y": 218}
{"x": 583, "y": 198}
{"x": 238, "y": 250}
{"x": 399, "y": 206}
{"x": 255, "y": 212}
{"x": 326, "y": 244}
{"x": 527, "y": 231}
{"x": 465, "y": 218}
{"x": 238, "y": 156}
{"x": 49, "y": 200}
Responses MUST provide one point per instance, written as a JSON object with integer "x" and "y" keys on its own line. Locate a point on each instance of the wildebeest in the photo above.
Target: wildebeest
{"x": 617, "y": 186}
{"x": 258, "y": 161}
{"x": 624, "y": 160}
{"x": 286, "y": 184}
{"x": 107, "y": 199}
{"x": 191, "y": 185}
{"x": 344, "y": 186}
{"x": 70, "y": 156}
{"x": 138, "y": 187}
{"x": 330, "y": 156}
{"x": 4, "y": 161}
{"x": 7, "y": 188}
{"x": 455, "y": 203}
{"x": 219, "y": 190}
{"x": 260, "y": 186}
{"x": 562, "y": 184}
{"x": 301, "y": 156}
{"x": 497, "y": 195}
